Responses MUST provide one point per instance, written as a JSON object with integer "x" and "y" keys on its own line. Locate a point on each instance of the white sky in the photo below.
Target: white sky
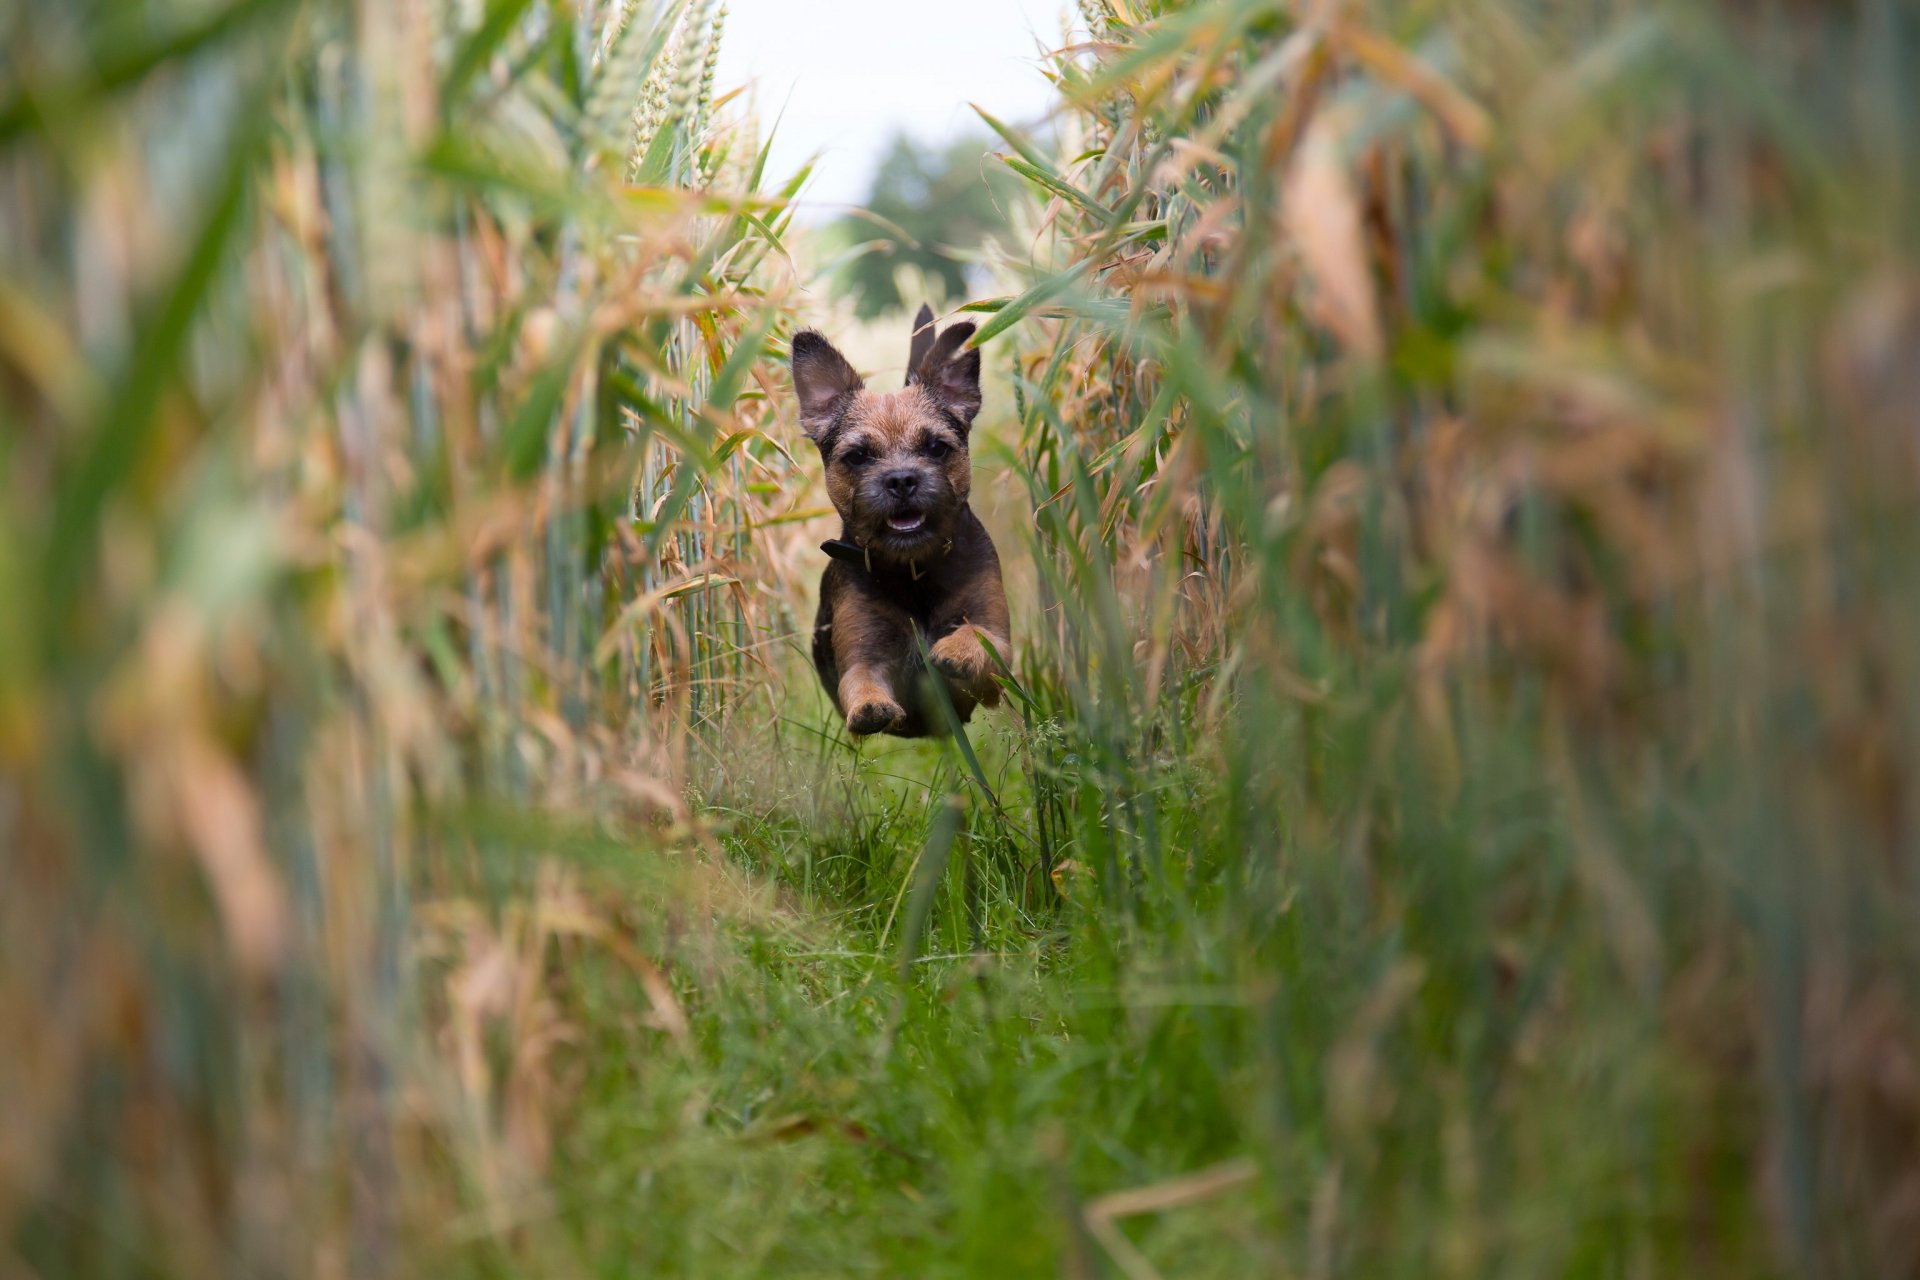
{"x": 852, "y": 73}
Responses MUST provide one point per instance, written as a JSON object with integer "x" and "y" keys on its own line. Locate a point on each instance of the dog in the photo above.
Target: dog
{"x": 913, "y": 566}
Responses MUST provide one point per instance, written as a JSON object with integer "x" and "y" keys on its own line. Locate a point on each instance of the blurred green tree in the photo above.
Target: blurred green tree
{"x": 931, "y": 208}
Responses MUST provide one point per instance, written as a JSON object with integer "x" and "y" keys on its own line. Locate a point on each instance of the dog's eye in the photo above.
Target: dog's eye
{"x": 856, "y": 457}
{"x": 938, "y": 448}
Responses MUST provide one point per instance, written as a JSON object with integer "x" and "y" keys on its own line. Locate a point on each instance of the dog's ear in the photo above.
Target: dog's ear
{"x": 952, "y": 379}
{"x": 823, "y": 381}
{"x": 922, "y": 340}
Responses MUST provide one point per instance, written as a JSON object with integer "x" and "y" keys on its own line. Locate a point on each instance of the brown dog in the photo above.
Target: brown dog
{"x": 913, "y": 565}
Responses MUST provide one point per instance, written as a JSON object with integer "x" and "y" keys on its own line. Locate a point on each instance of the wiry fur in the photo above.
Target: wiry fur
{"x": 915, "y": 564}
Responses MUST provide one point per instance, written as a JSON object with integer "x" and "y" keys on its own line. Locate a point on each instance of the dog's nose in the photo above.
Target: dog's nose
{"x": 902, "y": 484}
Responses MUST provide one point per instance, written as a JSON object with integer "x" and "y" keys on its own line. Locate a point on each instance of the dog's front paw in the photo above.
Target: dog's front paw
{"x": 966, "y": 664}
{"x": 875, "y": 715}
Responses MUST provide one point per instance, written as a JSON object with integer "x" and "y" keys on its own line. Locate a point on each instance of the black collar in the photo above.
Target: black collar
{"x": 852, "y": 553}
{"x": 846, "y": 552}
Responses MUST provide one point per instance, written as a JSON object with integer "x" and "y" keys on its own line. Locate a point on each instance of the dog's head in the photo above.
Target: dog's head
{"x": 897, "y": 465}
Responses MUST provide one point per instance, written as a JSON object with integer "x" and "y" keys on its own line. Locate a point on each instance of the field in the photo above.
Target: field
{"x": 1453, "y": 812}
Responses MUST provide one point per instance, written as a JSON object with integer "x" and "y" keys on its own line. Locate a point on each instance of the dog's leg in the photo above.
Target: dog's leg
{"x": 975, "y": 618}
{"x": 963, "y": 659}
{"x": 869, "y": 701}
{"x": 869, "y": 639}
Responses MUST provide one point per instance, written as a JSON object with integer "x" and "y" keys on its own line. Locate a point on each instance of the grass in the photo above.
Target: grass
{"x": 1451, "y": 814}
{"x": 863, "y": 1099}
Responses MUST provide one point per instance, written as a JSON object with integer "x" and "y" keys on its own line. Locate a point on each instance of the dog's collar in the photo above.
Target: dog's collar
{"x": 846, "y": 552}
{"x": 849, "y": 552}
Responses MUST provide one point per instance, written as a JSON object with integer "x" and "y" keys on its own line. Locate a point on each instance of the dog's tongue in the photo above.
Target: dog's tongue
{"x": 905, "y": 524}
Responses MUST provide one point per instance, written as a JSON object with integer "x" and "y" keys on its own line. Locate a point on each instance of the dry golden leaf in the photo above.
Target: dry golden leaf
{"x": 221, "y": 819}
{"x": 1460, "y": 115}
{"x": 1322, "y": 215}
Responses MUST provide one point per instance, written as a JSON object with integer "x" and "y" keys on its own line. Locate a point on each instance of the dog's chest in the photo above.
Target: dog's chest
{"x": 921, "y": 597}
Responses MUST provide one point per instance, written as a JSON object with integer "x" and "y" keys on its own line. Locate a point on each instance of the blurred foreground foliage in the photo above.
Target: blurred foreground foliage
{"x": 382, "y": 450}
{"x": 1483, "y": 441}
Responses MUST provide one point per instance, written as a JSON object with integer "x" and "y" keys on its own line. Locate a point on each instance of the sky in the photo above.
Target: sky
{"x": 849, "y": 74}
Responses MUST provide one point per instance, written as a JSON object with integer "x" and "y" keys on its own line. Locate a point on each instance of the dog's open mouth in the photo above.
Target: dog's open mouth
{"x": 912, "y": 523}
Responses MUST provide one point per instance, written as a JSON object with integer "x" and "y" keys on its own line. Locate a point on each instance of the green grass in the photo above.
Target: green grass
{"x": 853, "y": 1102}
{"x": 1422, "y": 1064}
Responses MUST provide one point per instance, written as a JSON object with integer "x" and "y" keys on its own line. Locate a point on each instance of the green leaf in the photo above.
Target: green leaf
{"x": 524, "y": 443}
{"x": 118, "y": 68}
{"x": 928, "y": 871}
{"x": 493, "y": 29}
{"x": 1060, "y": 187}
{"x": 1014, "y": 140}
{"x": 120, "y": 441}
{"x": 1041, "y": 294}
{"x": 938, "y": 687}
{"x": 740, "y": 361}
